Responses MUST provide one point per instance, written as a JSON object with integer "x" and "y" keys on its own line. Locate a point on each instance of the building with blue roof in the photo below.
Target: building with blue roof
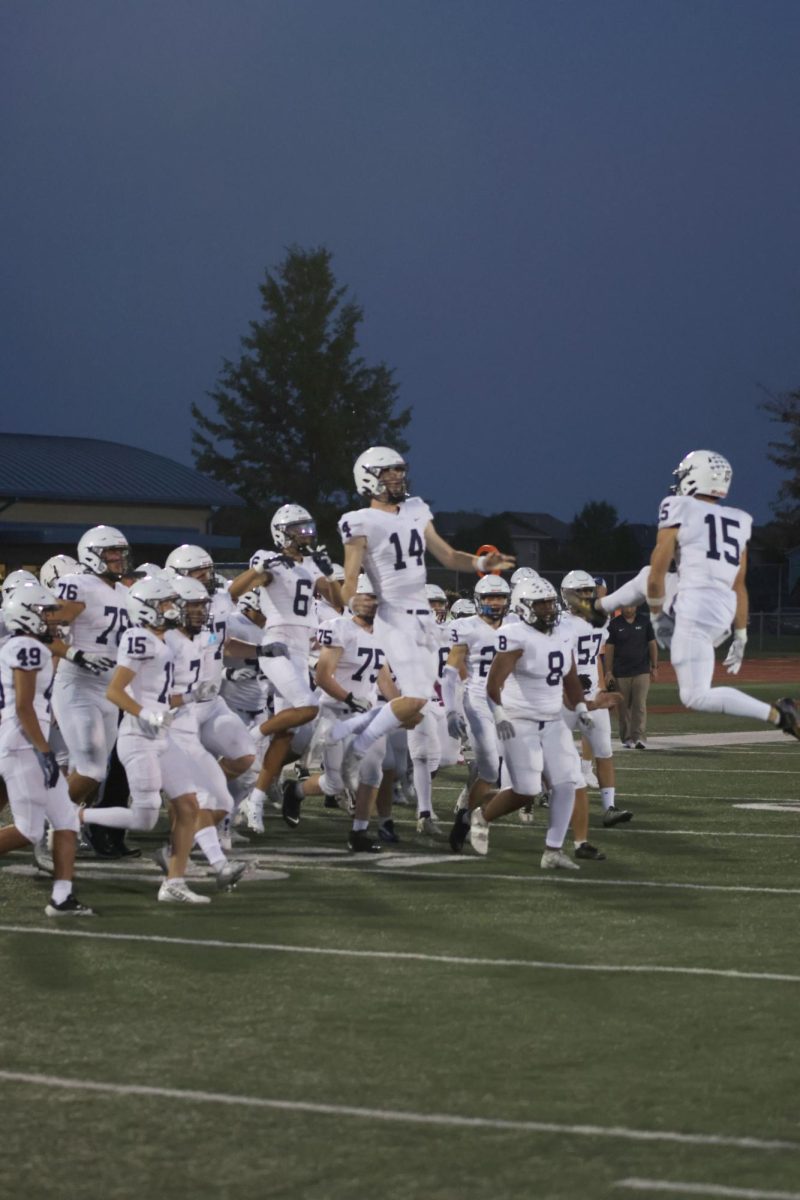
{"x": 54, "y": 488}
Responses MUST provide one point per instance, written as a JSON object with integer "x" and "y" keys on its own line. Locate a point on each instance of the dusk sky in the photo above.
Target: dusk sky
{"x": 574, "y": 226}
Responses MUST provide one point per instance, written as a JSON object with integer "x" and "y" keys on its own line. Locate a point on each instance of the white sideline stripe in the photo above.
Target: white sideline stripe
{"x": 633, "y": 829}
{"x": 703, "y": 1189}
{"x": 554, "y": 880}
{"x": 451, "y": 1120}
{"x": 406, "y": 956}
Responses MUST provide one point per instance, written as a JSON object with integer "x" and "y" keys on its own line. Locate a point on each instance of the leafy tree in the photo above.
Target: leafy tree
{"x": 785, "y": 454}
{"x": 600, "y": 539}
{"x": 300, "y": 404}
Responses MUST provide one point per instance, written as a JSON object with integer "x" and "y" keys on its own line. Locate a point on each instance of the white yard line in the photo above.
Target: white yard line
{"x": 703, "y": 1189}
{"x": 404, "y": 956}
{"x": 561, "y": 878}
{"x": 448, "y": 1120}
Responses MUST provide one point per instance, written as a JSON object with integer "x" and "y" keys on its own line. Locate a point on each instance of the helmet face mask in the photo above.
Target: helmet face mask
{"x": 703, "y": 473}
{"x": 462, "y": 608}
{"x": 293, "y": 528}
{"x": 492, "y": 597}
{"x": 535, "y": 602}
{"x": 381, "y": 474}
{"x": 192, "y": 604}
{"x": 437, "y": 602}
{"x": 153, "y": 603}
{"x": 579, "y": 592}
{"x": 104, "y": 551}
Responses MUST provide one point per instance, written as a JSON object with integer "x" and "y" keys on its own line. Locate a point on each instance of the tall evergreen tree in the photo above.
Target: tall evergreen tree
{"x": 785, "y": 410}
{"x": 300, "y": 404}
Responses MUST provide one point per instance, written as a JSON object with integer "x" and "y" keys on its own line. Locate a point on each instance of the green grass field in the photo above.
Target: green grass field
{"x": 425, "y": 1025}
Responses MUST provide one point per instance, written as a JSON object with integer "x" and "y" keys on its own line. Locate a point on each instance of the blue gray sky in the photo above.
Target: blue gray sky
{"x": 573, "y": 224}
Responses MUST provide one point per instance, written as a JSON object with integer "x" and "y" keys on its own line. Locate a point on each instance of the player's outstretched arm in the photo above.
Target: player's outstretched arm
{"x": 459, "y": 560}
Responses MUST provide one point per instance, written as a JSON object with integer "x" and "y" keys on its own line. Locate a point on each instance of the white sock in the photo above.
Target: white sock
{"x": 208, "y": 841}
{"x": 359, "y": 825}
{"x": 607, "y": 798}
{"x": 62, "y": 888}
{"x": 350, "y": 725}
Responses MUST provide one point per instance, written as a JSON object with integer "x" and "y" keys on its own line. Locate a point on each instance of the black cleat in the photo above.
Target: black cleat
{"x": 387, "y": 831}
{"x": 460, "y": 831}
{"x": 290, "y": 808}
{"x": 587, "y": 851}
{"x": 616, "y": 816}
{"x": 69, "y": 908}
{"x": 331, "y": 802}
{"x": 361, "y": 841}
{"x": 787, "y": 714}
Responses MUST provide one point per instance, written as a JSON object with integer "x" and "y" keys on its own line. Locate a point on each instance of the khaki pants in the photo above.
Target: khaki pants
{"x": 632, "y": 711}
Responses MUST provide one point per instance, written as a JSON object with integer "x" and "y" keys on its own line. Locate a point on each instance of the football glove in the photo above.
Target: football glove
{"x": 586, "y": 682}
{"x": 206, "y": 690}
{"x": 274, "y": 650}
{"x": 584, "y": 717}
{"x": 505, "y": 728}
{"x": 663, "y": 628}
{"x": 240, "y": 674}
{"x": 735, "y": 656}
{"x": 261, "y": 560}
{"x": 95, "y": 664}
{"x": 322, "y": 560}
{"x": 47, "y": 761}
{"x": 456, "y": 726}
{"x": 151, "y": 721}
{"x": 356, "y": 704}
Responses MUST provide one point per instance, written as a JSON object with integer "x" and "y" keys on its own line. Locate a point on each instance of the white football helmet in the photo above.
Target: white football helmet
{"x": 524, "y": 573}
{"x": 462, "y": 608}
{"x": 703, "y": 473}
{"x": 153, "y": 602}
{"x": 579, "y": 592}
{"x": 193, "y": 602}
{"x": 25, "y": 608}
{"x": 55, "y": 567}
{"x": 492, "y": 595}
{"x": 94, "y": 546}
{"x": 15, "y": 579}
{"x": 188, "y": 559}
{"x": 367, "y": 469}
{"x": 293, "y": 524}
{"x": 536, "y": 603}
{"x": 147, "y": 568}
{"x": 437, "y": 601}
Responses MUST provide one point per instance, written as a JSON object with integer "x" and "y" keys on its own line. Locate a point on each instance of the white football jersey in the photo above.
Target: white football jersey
{"x": 152, "y": 660}
{"x": 535, "y": 687}
{"x": 23, "y": 653}
{"x": 441, "y": 634}
{"x": 711, "y": 540}
{"x": 250, "y": 695}
{"x": 480, "y": 638}
{"x": 588, "y": 644}
{"x": 360, "y": 661}
{"x": 287, "y": 603}
{"x": 187, "y": 666}
{"x": 394, "y": 561}
{"x": 219, "y": 614}
{"x": 99, "y": 628}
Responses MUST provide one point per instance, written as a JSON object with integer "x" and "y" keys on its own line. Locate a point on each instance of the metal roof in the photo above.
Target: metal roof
{"x": 18, "y": 533}
{"x": 43, "y": 467}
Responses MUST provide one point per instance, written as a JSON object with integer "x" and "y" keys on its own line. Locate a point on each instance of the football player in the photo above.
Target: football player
{"x": 708, "y": 542}
{"x": 388, "y": 541}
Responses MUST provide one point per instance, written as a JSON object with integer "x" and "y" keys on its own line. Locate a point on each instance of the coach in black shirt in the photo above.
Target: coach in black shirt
{"x": 631, "y": 661}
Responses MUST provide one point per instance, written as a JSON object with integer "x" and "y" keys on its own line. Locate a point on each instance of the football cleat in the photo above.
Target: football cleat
{"x": 71, "y": 907}
{"x": 787, "y": 717}
{"x": 230, "y": 875}
{"x": 175, "y": 891}
{"x": 361, "y": 841}
{"x": 290, "y": 806}
{"x": 557, "y": 860}
{"x": 387, "y": 832}
{"x": 460, "y": 831}
{"x": 253, "y": 810}
{"x": 479, "y": 833}
{"x": 585, "y": 850}
{"x": 616, "y": 816}
{"x": 428, "y": 826}
{"x": 525, "y": 814}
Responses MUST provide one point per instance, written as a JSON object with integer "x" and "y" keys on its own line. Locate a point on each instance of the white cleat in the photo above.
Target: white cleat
{"x": 525, "y": 814}
{"x": 175, "y": 891}
{"x": 557, "y": 860}
{"x": 230, "y": 875}
{"x": 462, "y": 802}
{"x": 479, "y": 833}
{"x": 254, "y": 814}
{"x": 430, "y": 827}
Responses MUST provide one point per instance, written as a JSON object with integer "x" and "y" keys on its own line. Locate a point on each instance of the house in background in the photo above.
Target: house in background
{"x": 52, "y": 489}
{"x": 531, "y": 535}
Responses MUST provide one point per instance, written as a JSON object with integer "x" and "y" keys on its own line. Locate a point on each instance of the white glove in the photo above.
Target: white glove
{"x": 206, "y": 690}
{"x": 239, "y": 674}
{"x": 504, "y": 727}
{"x": 663, "y": 628}
{"x": 152, "y": 721}
{"x": 357, "y": 704}
{"x": 585, "y": 719}
{"x": 456, "y": 725}
{"x": 735, "y": 656}
{"x": 274, "y": 650}
{"x": 260, "y": 560}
